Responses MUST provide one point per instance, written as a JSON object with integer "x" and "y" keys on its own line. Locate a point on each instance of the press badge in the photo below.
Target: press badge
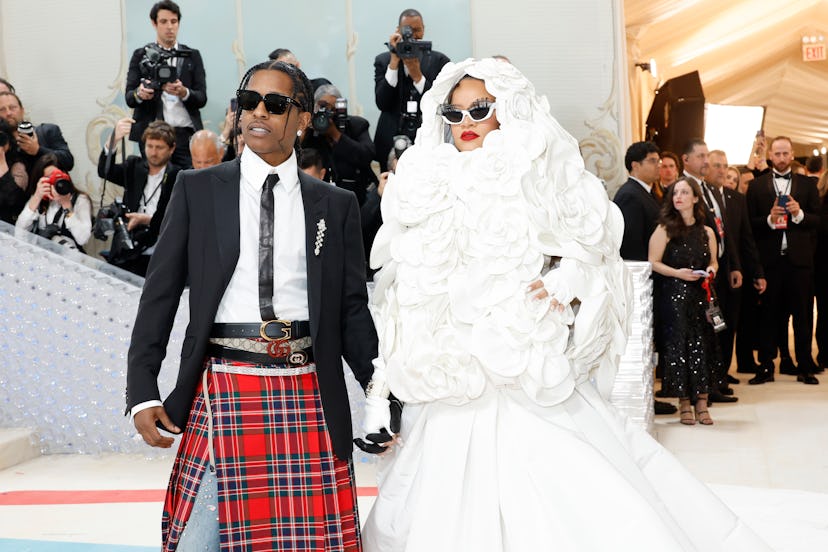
{"x": 781, "y": 223}
{"x": 720, "y": 227}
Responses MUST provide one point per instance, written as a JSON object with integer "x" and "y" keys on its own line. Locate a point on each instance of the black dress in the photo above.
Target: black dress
{"x": 684, "y": 337}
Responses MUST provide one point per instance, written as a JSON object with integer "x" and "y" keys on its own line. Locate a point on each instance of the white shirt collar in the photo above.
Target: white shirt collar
{"x": 648, "y": 187}
{"x": 254, "y": 169}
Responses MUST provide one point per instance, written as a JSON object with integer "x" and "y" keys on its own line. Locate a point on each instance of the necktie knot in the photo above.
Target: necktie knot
{"x": 786, "y": 176}
{"x": 271, "y": 181}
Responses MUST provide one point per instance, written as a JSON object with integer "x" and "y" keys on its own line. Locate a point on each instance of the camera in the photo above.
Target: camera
{"x": 155, "y": 71}
{"x": 61, "y": 182}
{"x": 410, "y": 47}
{"x": 126, "y": 246}
{"x": 25, "y": 127}
{"x": 410, "y": 119}
{"x": 323, "y": 118}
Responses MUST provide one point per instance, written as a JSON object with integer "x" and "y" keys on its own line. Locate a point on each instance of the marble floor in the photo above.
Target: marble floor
{"x": 766, "y": 457}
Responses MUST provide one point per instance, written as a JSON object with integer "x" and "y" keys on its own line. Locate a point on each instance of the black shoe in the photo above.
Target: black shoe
{"x": 787, "y": 367}
{"x": 725, "y": 390}
{"x": 762, "y": 376}
{"x": 731, "y": 380}
{"x": 660, "y": 393}
{"x": 661, "y": 407}
{"x": 808, "y": 379}
{"x": 719, "y": 398}
{"x": 750, "y": 368}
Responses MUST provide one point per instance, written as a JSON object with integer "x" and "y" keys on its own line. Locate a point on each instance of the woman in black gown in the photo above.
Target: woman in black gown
{"x": 683, "y": 253}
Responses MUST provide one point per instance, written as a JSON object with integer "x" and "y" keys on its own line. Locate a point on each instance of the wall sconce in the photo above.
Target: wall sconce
{"x": 649, "y": 66}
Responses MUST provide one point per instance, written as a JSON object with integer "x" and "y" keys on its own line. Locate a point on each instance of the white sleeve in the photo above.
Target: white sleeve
{"x": 391, "y": 77}
{"x": 80, "y": 223}
{"x": 143, "y": 406}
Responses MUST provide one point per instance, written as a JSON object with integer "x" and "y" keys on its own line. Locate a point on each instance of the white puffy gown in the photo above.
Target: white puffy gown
{"x": 507, "y": 441}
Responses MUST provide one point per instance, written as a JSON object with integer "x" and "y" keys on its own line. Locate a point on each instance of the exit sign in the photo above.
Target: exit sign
{"x": 813, "y": 52}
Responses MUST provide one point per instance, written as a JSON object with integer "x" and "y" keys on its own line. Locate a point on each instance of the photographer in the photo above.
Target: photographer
{"x": 56, "y": 210}
{"x": 343, "y": 141}
{"x": 33, "y": 141}
{"x": 401, "y": 76}
{"x": 157, "y": 92}
{"x": 147, "y": 187}
{"x": 13, "y": 177}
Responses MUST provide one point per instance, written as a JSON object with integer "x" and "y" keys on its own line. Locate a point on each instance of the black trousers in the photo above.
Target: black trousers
{"x": 730, "y": 301}
{"x": 790, "y": 289}
{"x": 821, "y": 293}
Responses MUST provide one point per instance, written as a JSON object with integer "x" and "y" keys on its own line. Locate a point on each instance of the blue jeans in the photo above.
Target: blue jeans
{"x": 202, "y": 530}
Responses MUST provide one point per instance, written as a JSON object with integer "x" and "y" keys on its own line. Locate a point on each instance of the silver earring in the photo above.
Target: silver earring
{"x": 298, "y": 133}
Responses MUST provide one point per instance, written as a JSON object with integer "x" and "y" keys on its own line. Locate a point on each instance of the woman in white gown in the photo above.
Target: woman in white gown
{"x": 506, "y": 443}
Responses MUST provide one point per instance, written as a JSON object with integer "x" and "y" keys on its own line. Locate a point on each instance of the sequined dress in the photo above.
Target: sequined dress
{"x": 685, "y": 338}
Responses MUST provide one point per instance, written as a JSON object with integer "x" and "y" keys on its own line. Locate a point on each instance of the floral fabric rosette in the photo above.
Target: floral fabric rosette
{"x": 464, "y": 233}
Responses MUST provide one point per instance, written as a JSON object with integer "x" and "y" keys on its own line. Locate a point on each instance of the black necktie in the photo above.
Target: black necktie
{"x": 786, "y": 176}
{"x": 266, "y": 248}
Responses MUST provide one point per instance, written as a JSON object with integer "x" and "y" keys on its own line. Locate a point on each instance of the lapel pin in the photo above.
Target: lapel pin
{"x": 320, "y": 236}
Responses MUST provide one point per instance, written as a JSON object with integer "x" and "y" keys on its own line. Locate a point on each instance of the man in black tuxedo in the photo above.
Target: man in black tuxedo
{"x": 640, "y": 211}
{"x": 278, "y": 264}
{"x": 177, "y": 102}
{"x": 636, "y": 201}
{"x": 398, "y": 86}
{"x": 742, "y": 262}
{"x": 44, "y": 138}
{"x": 784, "y": 213}
{"x": 147, "y": 185}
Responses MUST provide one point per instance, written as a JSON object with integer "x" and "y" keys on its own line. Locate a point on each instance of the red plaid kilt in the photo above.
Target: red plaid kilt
{"x": 280, "y": 486}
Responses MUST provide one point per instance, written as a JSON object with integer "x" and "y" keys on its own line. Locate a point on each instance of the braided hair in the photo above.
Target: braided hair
{"x": 302, "y": 89}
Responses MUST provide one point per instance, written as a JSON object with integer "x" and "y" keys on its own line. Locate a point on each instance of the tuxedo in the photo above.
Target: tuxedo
{"x": 191, "y": 74}
{"x": 640, "y": 211}
{"x": 391, "y": 100}
{"x": 199, "y": 241}
{"x": 789, "y": 274}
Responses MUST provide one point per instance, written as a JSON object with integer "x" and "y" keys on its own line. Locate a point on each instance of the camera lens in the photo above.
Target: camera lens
{"x": 321, "y": 120}
{"x": 63, "y": 187}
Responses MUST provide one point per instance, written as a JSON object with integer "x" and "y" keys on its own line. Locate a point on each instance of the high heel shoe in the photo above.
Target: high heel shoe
{"x": 686, "y": 412}
{"x": 702, "y": 415}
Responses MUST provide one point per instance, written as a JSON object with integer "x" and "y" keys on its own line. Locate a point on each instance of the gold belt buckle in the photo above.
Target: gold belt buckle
{"x": 285, "y": 330}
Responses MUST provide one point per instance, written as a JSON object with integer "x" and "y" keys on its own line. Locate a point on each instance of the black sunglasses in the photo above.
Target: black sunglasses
{"x": 276, "y": 104}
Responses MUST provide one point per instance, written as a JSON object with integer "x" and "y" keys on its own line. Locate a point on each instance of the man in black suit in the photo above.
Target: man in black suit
{"x": 344, "y": 144}
{"x": 398, "y": 87}
{"x": 177, "y": 102}
{"x": 640, "y": 211}
{"x": 784, "y": 213}
{"x": 44, "y": 138}
{"x": 147, "y": 185}
{"x": 277, "y": 297}
{"x": 636, "y": 201}
{"x": 742, "y": 262}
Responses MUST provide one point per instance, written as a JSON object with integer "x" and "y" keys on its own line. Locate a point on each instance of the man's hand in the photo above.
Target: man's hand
{"x": 735, "y": 279}
{"x": 145, "y": 424}
{"x": 793, "y": 206}
{"x": 144, "y": 93}
{"x": 28, "y": 143}
{"x": 123, "y": 127}
{"x": 175, "y": 88}
{"x": 777, "y": 213}
{"x": 393, "y": 40}
{"x": 761, "y": 285}
{"x": 137, "y": 219}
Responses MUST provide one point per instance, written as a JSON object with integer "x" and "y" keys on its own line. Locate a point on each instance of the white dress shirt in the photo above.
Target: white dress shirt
{"x": 392, "y": 78}
{"x": 240, "y": 302}
{"x": 782, "y": 186}
{"x": 647, "y": 187}
{"x": 175, "y": 113}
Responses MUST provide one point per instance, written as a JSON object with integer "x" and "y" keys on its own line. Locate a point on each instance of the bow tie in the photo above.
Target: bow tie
{"x": 786, "y": 176}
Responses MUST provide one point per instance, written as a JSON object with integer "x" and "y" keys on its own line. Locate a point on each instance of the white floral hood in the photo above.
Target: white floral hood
{"x": 464, "y": 233}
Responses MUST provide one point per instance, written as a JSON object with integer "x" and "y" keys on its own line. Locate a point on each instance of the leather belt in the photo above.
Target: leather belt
{"x": 270, "y": 330}
{"x": 291, "y": 358}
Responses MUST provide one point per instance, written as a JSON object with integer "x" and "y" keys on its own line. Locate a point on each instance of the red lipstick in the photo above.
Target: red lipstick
{"x": 468, "y": 136}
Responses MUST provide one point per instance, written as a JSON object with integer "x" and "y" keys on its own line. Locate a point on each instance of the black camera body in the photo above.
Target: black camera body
{"x": 126, "y": 246}
{"x": 155, "y": 71}
{"x": 410, "y": 47}
{"x": 410, "y": 119}
{"x": 325, "y": 117}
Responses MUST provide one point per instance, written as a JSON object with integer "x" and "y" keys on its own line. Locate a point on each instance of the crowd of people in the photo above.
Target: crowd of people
{"x": 166, "y": 89}
{"x": 736, "y": 254}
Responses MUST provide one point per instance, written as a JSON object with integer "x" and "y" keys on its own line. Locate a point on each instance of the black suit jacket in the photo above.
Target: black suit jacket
{"x": 640, "y": 211}
{"x": 391, "y": 101}
{"x": 51, "y": 140}
{"x": 200, "y": 241}
{"x": 801, "y": 237}
{"x": 132, "y": 175}
{"x": 190, "y": 72}
{"x": 738, "y": 225}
